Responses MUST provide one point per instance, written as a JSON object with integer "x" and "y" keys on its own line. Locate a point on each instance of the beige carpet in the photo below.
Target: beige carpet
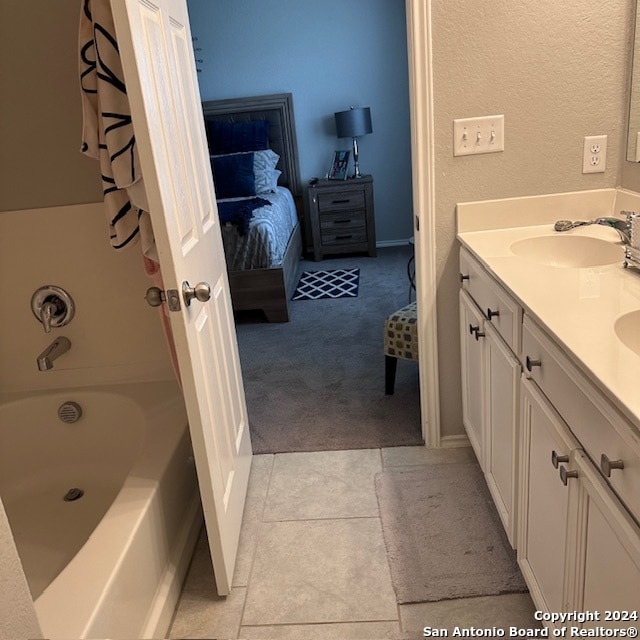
{"x": 443, "y": 534}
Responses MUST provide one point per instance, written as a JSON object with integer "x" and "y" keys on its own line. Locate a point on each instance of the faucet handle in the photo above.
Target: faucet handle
{"x": 47, "y": 312}
{"x": 52, "y": 306}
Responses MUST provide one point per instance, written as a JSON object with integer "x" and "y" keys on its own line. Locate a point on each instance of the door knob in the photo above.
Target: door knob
{"x": 154, "y": 296}
{"x": 201, "y": 292}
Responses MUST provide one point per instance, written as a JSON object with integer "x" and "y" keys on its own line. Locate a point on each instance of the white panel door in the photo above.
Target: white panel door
{"x": 158, "y": 63}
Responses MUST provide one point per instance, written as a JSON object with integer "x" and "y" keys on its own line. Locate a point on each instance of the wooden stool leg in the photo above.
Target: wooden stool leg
{"x": 390, "y": 365}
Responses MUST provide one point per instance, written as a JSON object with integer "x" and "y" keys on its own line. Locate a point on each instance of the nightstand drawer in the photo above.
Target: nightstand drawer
{"x": 346, "y": 236}
{"x": 339, "y": 201}
{"x": 339, "y": 222}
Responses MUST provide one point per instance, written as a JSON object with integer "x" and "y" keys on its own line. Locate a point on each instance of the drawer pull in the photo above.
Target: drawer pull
{"x": 464, "y": 277}
{"x": 529, "y": 363}
{"x": 347, "y": 221}
{"x": 607, "y": 465}
{"x": 341, "y": 201}
{"x": 473, "y": 329}
{"x": 565, "y": 475}
{"x": 491, "y": 314}
{"x": 344, "y": 237}
{"x": 557, "y": 459}
{"x": 479, "y": 334}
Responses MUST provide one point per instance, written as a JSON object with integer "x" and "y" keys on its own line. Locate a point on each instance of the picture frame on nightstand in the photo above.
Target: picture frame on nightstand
{"x": 339, "y": 165}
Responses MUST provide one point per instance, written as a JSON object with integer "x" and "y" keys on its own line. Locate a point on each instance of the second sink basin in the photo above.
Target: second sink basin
{"x": 627, "y": 328}
{"x": 569, "y": 251}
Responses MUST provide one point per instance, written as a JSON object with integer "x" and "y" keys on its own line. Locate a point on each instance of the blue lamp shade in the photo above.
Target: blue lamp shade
{"x": 353, "y": 123}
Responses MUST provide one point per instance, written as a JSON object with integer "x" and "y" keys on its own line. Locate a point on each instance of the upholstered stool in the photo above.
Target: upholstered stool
{"x": 400, "y": 341}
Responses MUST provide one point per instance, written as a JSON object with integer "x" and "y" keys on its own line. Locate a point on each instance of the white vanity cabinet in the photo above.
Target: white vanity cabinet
{"x": 579, "y": 544}
{"x": 473, "y": 382}
{"x": 545, "y": 443}
{"x": 490, "y": 323}
{"x": 604, "y": 568}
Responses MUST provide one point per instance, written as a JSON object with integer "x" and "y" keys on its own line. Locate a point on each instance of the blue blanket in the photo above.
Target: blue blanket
{"x": 240, "y": 212}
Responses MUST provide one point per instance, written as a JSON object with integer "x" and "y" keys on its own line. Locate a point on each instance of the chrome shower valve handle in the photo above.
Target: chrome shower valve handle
{"x": 52, "y": 306}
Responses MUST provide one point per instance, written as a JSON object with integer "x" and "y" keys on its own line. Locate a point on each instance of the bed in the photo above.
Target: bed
{"x": 262, "y": 272}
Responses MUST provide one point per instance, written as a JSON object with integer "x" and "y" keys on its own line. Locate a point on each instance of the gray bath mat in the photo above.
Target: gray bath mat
{"x": 444, "y": 536}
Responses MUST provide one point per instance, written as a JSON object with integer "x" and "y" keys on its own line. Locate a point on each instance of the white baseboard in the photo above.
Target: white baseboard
{"x": 450, "y": 442}
{"x": 392, "y": 243}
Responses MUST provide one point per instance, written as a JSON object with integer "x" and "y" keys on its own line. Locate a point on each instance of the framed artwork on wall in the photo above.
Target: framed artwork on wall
{"x": 338, "y": 170}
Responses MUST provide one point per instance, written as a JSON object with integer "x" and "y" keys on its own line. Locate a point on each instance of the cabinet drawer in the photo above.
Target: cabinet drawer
{"x": 340, "y": 200}
{"x": 592, "y": 417}
{"x": 504, "y": 313}
{"x": 344, "y": 236}
{"x": 338, "y": 222}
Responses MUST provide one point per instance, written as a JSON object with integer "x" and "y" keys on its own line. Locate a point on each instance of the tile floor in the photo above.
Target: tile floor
{"x": 312, "y": 560}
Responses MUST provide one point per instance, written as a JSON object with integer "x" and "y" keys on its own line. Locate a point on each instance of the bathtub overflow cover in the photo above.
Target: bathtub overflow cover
{"x": 73, "y": 494}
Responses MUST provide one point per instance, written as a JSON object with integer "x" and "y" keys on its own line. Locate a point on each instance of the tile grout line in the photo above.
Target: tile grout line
{"x": 255, "y": 546}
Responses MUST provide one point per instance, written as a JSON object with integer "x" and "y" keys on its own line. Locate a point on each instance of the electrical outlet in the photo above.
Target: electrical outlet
{"x": 594, "y": 154}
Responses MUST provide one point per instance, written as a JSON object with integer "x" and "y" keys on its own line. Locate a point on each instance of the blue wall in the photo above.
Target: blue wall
{"x": 330, "y": 55}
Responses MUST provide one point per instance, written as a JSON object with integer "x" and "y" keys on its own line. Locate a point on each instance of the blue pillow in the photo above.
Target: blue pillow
{"x": 233, "y": 137}
{"x": 233, "y": 175}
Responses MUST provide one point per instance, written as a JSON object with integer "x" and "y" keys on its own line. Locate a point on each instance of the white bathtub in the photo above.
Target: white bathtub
{"x": 110, "y": 563}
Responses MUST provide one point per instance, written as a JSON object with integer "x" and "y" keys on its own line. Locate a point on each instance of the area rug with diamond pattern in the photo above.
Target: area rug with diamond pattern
{"x": 332, "y": 283}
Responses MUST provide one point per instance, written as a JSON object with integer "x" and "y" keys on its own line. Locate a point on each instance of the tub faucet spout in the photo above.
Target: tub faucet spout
{"x": 52, "y": 352}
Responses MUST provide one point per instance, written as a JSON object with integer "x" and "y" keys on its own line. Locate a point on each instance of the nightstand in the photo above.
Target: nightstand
{"x": 341, "y": 217}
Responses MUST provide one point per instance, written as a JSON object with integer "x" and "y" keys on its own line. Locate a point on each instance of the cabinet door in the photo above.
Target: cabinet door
{"x": 473, "y": 385}
{"x": 607, "y": 557}
{"x": 502, "y": 371}
{"x": 543, "y": 505}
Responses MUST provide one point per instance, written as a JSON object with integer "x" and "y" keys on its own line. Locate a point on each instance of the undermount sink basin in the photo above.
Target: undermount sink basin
{"x": 627, "y": 328}
{"x": 569, "y": 251}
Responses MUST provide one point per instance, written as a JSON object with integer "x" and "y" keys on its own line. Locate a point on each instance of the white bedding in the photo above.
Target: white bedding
{"x": 269, "y": 231}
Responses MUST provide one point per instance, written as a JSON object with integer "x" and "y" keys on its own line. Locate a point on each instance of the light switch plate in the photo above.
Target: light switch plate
{"x": 484, "y": 134}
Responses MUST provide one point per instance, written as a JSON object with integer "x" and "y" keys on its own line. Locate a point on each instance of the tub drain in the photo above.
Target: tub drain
{"x": 73, "y": 494}
{"x": 70, "y": 412}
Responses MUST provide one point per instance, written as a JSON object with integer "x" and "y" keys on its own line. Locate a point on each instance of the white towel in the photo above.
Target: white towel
{"x": 108, "y": 130}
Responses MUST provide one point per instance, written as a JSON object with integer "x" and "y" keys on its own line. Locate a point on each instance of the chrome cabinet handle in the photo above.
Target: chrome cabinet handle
{"x": 491, "y": 314}
{"x": 607, "y": 465}
{"x": 565, "y": 475}
{"x": 557, "y": 459}
{"x": 530, "y": 363}
{"x": 201, "y": 292}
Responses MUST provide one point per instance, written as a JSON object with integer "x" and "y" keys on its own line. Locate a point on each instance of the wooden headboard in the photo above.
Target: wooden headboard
{"x": 278, "y": 110}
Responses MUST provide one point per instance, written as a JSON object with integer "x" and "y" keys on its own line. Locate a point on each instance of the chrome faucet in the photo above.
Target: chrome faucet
{"x": 53, "y": 352}
{"x": 621, "y": 226}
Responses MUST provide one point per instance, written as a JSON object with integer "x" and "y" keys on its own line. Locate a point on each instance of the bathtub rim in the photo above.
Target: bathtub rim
{"x": 163, "y": 405}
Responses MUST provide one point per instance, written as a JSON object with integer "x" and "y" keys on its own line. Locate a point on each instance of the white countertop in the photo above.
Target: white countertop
{"x": 577, "y": 306}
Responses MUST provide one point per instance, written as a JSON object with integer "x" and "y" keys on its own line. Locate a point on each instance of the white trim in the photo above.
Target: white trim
{"x": 454, "y": 442}
{"x": 419, "y": 40}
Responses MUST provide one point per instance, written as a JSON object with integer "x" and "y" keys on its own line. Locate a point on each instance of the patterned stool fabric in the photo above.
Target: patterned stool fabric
{"x": 400, "y": 341}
